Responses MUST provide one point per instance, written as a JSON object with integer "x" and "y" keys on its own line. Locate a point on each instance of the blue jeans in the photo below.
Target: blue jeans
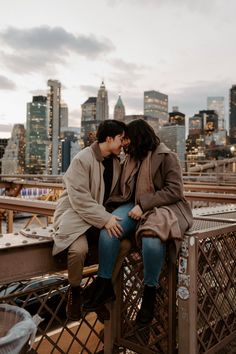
{"x": 153, "y": 251}
{"x": 108, "y": 247}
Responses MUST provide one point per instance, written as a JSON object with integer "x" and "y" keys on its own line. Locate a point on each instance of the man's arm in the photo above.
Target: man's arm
{"x": 78, "y": 180}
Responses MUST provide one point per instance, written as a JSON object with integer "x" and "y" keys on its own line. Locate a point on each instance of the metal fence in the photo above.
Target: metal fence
{"x": 207, "y": 287}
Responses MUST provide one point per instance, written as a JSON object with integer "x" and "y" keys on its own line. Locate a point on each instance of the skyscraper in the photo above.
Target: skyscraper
{"x": 217, "y": 104}
{"x": 102, "y": 104}
{"x": 63, "y": 116}
{"x": 173, "y": 135}
{"x": 176, "y": 117}
{"x": 36, "y": 136}
{"x": 89, "y": 121}
{"x": 232, "y": 114}
{"x": 54, "y": 151}
{"x": 3, "y": 145}
{"x": 156, "y": 105}
{"x": 13, "y": 161}
{"x": 119, "y": 110}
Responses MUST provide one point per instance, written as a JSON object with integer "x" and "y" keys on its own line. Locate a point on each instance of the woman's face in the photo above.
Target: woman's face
{"x": 126, "y": 143}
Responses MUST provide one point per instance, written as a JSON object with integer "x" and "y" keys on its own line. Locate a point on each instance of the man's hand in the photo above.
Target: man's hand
{"x": 113, "y": 227}
{"x": 136, "y": 212}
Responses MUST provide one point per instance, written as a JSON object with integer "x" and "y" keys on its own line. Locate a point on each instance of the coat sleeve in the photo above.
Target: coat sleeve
{"x": 77, "y": 180}
{"x": 172, "y": 190}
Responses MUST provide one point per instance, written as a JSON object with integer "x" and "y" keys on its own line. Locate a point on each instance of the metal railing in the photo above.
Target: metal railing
{"x": 205, "y": 304}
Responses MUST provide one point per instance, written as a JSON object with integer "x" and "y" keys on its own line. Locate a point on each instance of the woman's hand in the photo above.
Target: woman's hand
{"x": 113, "y": 227}
{"x": 136, "y": 212}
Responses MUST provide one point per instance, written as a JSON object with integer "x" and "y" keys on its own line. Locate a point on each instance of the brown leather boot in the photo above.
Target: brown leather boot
{"x": 73, "y": 307}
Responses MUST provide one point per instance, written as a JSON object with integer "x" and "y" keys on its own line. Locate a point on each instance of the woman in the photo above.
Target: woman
{"x": 152, "y": 176}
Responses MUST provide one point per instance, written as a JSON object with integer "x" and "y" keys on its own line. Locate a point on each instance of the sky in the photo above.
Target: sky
{"x": 183, "y": 48}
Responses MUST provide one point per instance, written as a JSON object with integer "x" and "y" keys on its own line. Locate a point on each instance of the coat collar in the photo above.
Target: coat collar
{"x": 97, "y": 152}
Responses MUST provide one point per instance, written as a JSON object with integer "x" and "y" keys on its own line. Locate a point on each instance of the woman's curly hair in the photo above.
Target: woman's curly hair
{"x": 142, "y": 139}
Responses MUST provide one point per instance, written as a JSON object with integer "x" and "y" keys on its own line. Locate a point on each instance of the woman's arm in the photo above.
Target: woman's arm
{"x": 172, "y": 190}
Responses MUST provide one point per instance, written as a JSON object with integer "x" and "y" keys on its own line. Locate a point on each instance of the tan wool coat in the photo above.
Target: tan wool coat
{"x": 80, "y": 205}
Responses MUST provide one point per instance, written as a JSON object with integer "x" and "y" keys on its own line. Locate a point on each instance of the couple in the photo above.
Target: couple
{"x": 147, "y": 190}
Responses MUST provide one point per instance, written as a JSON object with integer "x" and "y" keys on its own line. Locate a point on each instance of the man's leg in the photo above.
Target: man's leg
{"x": 77, "y": 253}
{"x": 102, "y": 289}
{"x": 109, "y": 247}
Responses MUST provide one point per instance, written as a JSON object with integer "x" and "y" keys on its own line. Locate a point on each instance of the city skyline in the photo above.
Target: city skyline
{"x": 183, "y": 49}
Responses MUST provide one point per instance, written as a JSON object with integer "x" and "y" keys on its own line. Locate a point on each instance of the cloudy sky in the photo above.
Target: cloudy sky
{"x": 184, "y": 48}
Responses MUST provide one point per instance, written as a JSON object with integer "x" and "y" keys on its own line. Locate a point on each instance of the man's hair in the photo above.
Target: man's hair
{"x": 110, "y": 127}
{"x": 142, "y": 139}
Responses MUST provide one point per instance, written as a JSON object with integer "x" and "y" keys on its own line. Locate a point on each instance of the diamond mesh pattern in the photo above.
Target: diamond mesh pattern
{"x": 216, "y": 290}
{"x": 55, "y": 333}
{"x": 152, "y": 338}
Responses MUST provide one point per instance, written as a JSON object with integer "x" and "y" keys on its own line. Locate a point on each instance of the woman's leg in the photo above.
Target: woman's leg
{"x": 109, "y": 246}
{"x": 153, "y": 250}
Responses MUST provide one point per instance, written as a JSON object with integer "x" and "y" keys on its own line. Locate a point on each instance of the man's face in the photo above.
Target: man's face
{"x": 116, "y": 144}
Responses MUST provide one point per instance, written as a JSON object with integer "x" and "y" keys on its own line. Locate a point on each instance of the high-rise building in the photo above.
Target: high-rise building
{"x": 156, "y": 106}
{"x": 119, "y": 110}
{"x": 153, "y": 122}
{"x": 176, "y": 117}
{"x": 54, "y": 147}
{"x": 218, "y": 105}
{"x": 102, "y": 110}
{"x": 173, "y": 135}
{"x": 63, "y": 116}
{"x": 89, "y": 122}
{"x": 70, "y": 146}
{"x": 36, "y": 136}
{"x": 13, "y": 160}
{"x": 3, "y": 145}
{"x": 232, "y": 114}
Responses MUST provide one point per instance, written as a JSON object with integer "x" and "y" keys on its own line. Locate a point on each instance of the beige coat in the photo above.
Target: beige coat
{"x": 80, "y": 205}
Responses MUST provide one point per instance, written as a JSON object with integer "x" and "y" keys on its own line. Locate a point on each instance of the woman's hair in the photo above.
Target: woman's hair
{"x": 142, "y": 139}
{"x": 110, "y": 127}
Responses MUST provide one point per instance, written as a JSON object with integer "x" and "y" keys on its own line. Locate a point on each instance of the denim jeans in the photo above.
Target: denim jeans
{"x": 108, "y": 248}
{"x": 153, "y": 251}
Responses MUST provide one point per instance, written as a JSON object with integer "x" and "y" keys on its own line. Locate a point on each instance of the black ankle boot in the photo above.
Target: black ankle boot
{"x": 102, "y": 293}
{"x": 146, "y": 313}
{"x": 73, "y": 306}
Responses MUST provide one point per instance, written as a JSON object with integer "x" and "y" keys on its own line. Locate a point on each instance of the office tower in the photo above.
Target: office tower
{"x": 203, "y": 127}
{"x": 210, "y": 121}
{"x": 173, "y": 135}
{"x": 217, "y": 104}
{"x": 54, "y": 151}
{"x": 119, "y": 110}
{"x": 150, "y": 120}
{"x": 102, "y": 109}
{"x": 63, "y": 116}
{"x": 3, "y": 145}
{"x": 232, "y": 114}
{"x": 70, "y": 146}
{"x": 89, "y": 122}
{"x": 36, "y": 136}
{"x": 156, "y": 106}
{"x": 176, "y": 117}
{"x": 13, "y": 161}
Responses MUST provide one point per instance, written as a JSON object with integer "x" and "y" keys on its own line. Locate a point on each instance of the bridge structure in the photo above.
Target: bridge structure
{"x": 196, "y": 297}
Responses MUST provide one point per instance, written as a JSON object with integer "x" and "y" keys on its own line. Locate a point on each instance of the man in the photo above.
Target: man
{"x": 89, "y": 181}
